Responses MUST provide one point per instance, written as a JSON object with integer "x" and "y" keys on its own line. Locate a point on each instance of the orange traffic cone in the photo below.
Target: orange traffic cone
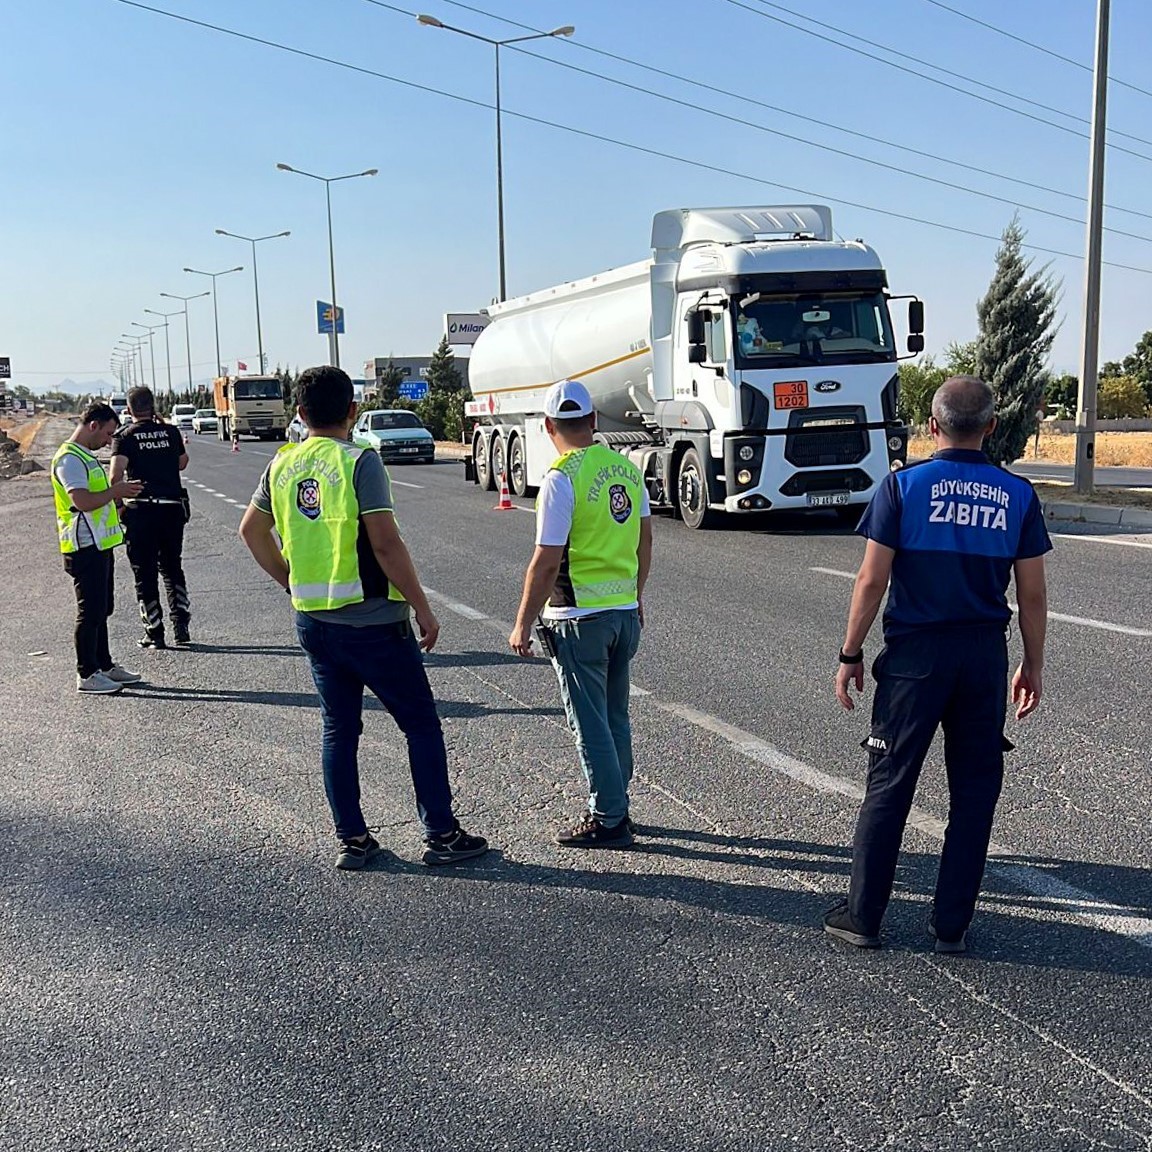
{"x": 505, "y": 504}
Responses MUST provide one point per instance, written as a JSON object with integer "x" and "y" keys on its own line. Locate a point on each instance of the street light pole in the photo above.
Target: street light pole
{"x": 151, "y": 346}
{"x": 215, "y": 313}
{"x": 254, "y": 240}
{"x": 334, "y": 336}
{"x": 137, "y": 350}
{"x": 1083, "y": 475}
{"x": 567, "y": 30}
{"x": 187, "y": 330}
{"x": 167, "y": 344}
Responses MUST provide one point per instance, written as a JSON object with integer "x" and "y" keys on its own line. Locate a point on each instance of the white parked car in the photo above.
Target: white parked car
{"x": 297, "y": 430}
{"x": 204, "y": 420}
{"x": 182, "y": 416}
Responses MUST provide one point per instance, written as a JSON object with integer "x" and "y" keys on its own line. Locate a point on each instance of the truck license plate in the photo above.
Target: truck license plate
{"x": 409, "y": 449}
{"x": 827, "y": 499}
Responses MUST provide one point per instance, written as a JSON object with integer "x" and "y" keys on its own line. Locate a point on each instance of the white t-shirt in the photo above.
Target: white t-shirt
{"x": 555, "y": 507}
{"x": 72, "y": 474}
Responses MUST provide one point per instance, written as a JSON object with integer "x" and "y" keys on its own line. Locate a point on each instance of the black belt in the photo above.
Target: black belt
{"x": 134, "y": 500}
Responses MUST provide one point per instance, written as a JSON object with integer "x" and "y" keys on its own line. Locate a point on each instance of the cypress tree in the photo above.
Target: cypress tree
{"x": 1017, "y": 326}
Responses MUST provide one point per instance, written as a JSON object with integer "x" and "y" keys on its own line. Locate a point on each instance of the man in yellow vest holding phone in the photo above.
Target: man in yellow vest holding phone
{"x": 89, "y": 528}
{"x": 587, "y": 574}
{"x": 354, "y": 588}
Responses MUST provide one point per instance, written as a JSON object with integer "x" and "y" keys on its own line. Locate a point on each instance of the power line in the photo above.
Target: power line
{"x": 773, "y": 108}
{"x": 589, "y": 135}
{"x": 939, "y": 82}
{"x": 1032, "y": 44}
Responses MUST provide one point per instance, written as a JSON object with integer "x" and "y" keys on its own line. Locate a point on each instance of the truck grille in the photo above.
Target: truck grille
{"x": 836, "y": 437}
{"x": 260, "y": 421}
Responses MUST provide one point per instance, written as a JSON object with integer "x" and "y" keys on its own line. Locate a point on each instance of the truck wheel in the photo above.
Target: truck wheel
{"x": 498, "y": 461}
{"x": 483, "y": 465}
{"x": 692, "y": 492}
{"x": 517, "y": 467}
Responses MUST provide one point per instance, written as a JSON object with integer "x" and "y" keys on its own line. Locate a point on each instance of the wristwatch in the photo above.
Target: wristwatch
{"x": 857, "y": 659}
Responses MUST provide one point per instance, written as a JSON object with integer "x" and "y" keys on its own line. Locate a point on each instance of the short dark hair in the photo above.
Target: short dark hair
{"x": 141, "y": 402}
{"x": 574, "y": 424}
{"x": 324, "y": 395}
{"x": 99, "y": 413}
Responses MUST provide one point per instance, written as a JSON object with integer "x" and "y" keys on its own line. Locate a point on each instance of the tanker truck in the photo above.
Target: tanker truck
{"x": 749, "y": 365}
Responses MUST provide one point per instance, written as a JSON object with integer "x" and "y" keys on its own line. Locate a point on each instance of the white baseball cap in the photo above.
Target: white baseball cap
{"x": 566, "y": 400}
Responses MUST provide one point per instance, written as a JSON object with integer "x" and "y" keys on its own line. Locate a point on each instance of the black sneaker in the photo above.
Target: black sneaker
{"x": 591, "y": 833}
{"x": 838, "y": 922}
{"x": 948, "y": 947}
{"x": 152, "y": 640}
{"x": 355, "y": 854}
{"x": 182, "y": 638}
{"x": 451, "y": 847}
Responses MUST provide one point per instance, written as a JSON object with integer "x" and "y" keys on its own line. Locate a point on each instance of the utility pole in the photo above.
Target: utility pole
{"x": 1084, "y": 472}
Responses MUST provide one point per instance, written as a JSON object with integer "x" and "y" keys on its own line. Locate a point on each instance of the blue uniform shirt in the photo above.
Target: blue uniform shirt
{"x": 957, "y": 523}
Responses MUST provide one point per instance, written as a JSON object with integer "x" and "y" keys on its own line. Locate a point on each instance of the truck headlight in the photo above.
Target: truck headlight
{"x": 895, "y": 443}
{"x": 744, "y": 476}
{"x": 747, "y": 452}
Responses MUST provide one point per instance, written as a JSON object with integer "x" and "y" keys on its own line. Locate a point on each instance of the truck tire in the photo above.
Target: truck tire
{"x": 496, "y": 452}
{"x": 692, "y": 492}
{"x": 517, "y": 467}
{"x": 484, "y": 475}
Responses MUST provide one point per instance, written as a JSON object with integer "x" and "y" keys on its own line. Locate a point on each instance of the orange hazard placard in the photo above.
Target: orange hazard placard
{"x": 791, "y": 394}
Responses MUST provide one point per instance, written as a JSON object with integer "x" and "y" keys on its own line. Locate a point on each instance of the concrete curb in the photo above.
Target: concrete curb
{"x": 1113, "y": 515}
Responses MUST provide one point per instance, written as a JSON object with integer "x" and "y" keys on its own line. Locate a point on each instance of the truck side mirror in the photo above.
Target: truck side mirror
{"x": 696, "y": 329}
{"x": 915, "y": 343}
{"x": 916, "y": 317}
{"x": 697, "y": 353}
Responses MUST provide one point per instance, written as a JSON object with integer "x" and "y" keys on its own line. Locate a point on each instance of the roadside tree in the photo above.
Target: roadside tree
{"x": 1017, "y": 326}
{"x": 442, "y": 410}
{"x": 918, "y": 382}
{"x": 1120, "y": 396}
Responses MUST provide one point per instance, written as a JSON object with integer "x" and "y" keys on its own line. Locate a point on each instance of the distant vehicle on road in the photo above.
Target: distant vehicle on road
{"x": 397, "y": 434}
{"x": 182, "y": 416}
{"x": 204, "y": 420}
{"x": 297, "y": 430}
{"x": 249, "y": 406}
{"x": 118, "y": 402}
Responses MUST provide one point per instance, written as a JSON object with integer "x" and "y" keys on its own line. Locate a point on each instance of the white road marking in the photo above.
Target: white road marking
{"x": 406, "y": 484}
{"x": 1086, "y": 906}
{"x": 221, "y": 496}
{"x": 1082, "y": 621}
{"x": 1101, "y": 540}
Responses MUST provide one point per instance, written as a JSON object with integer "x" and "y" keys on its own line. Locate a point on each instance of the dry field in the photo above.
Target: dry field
{"x": 1113, "y": 449}
{"x": 23, "y": 431}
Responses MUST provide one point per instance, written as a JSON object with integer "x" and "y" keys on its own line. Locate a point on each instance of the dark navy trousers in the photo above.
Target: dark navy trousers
{"x": 953, "y": 678}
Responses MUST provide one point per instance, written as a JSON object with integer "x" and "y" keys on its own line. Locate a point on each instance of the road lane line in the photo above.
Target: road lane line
{"x": 1086, "y": 906}
{"x": 406, "y": 484}
{"x": 1082, "y": 621}
{"x": 1101, "y": 540}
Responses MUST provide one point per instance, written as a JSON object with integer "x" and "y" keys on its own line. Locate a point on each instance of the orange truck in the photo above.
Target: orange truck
{"x": 249, "y": 406}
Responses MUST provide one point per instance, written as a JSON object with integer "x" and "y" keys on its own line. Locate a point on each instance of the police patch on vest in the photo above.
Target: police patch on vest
{"x": 308, "y": 498}
{"x": 619, "y": 503}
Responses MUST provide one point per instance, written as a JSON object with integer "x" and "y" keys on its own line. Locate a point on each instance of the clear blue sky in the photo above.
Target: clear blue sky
{"x": 129, "y": 137}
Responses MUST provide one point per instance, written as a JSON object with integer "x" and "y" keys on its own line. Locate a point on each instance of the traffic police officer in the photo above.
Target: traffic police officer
{"x": 351, "y": 580}
{"x": 593, "y": 552}
{"x": 950, "y": 532}
{"x": 154, "y": 453}
{"x": 89, "y": 529}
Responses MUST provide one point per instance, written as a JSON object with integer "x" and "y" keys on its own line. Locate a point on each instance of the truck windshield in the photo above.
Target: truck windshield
{"x": 256, "y": 389}
{"x": 814, "y": 328}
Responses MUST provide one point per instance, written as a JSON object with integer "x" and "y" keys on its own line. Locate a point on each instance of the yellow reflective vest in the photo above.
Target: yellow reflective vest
{"x": 104, "y": 522}
{"x": 600, "y": 564}
{"x": 317, "y": 517}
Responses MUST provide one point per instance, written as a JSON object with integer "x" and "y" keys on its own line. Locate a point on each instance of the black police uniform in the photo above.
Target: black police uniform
{"x": 154, "y": 525}
{"x": 957, "y": 524}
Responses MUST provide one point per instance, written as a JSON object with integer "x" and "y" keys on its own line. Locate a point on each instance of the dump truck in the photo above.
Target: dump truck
{"x": 249, "y": 406}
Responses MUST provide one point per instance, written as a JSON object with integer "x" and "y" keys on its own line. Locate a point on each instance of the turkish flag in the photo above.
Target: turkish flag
{"x": 241, "y": 366}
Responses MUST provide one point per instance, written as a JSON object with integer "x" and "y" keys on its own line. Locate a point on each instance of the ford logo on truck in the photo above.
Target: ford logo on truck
{"x": 827, "y": 386}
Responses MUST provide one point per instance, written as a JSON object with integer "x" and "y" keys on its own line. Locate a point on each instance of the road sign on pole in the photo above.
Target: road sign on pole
{"x": 324, "y": 319}
{"x": 5, "y": 368}
{"x": 414, "y": 389}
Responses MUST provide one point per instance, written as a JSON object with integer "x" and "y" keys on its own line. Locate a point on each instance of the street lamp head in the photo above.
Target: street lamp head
{"x": 567, "y": 30}
{"x": 279, "y": 234}
{"x": 370, "y": 172}
{"x": 189, "y": 269}
{"x": 285, "y": 167}
{"x": 431, "y": 21}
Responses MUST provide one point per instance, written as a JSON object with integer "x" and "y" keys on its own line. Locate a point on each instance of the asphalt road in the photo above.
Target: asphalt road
{"x": 185, "y": 970}
{"x": 1103, "y": 477}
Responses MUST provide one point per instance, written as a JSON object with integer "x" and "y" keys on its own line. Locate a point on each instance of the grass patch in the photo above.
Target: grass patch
{"x": 1057, "y": 493}
{"x": 1113, "y": 449}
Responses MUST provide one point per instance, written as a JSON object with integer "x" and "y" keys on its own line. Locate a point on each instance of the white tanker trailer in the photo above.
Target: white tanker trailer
{"x": 750, "y": 364}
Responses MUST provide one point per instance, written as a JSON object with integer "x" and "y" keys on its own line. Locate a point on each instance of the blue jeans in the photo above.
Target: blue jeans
{"x": 386, "y": 660}
{"x": 592, "y": 658}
